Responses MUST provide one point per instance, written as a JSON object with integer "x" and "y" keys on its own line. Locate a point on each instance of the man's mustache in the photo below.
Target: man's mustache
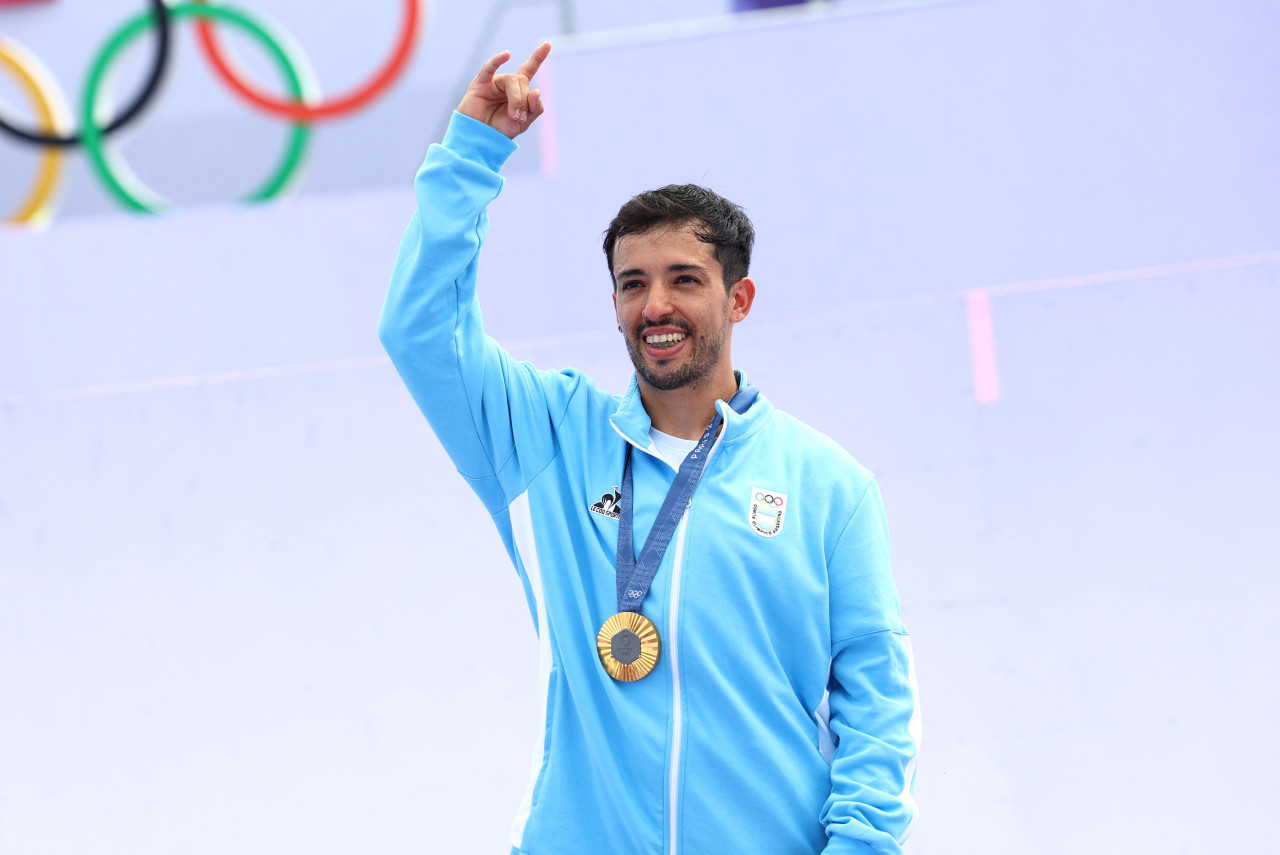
{"x": 664, "y": 322}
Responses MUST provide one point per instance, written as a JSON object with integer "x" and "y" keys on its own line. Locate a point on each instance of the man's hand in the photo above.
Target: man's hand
{"x": 505, "y": 102}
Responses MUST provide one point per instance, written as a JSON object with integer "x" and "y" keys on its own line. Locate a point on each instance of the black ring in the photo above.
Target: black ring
{"x": 158, "y": 68}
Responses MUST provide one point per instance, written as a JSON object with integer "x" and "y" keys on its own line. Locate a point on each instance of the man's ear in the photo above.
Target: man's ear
{"x": 741, "y": 295}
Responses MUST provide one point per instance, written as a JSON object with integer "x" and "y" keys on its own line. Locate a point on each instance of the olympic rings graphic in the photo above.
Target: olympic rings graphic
{"x": 769, "y": 499}
{"x": 299, "y": 106}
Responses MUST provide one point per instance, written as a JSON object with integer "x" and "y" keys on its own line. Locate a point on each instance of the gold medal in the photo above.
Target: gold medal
{"x": 628, "y": 645}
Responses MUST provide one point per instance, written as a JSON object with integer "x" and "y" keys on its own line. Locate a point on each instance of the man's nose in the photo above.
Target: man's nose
{"x": 658, "y": 305}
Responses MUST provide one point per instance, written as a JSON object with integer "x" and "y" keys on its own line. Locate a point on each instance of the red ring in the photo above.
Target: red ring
{"x": 327, "y": 109}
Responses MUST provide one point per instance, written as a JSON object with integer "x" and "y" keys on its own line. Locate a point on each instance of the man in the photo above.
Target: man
{"x": 722, "y": 664}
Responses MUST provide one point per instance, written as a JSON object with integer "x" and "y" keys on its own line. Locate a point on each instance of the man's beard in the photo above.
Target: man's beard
{"x": 703, "y": 355}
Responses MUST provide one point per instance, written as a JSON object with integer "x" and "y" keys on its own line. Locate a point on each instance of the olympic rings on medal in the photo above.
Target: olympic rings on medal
{"x": 331, "y": 108}
{"x": 53, "y": 113}
{"x": 299, "y": 106}
{"x": 116, "y": 176}
{"x": 159, "y": 15}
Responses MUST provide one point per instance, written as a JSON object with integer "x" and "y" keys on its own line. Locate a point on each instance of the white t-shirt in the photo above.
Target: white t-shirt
{"x": 670, "y": 448}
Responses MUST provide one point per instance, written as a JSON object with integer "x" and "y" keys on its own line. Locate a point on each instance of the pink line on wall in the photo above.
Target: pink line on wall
{"x": 982, "y": 347}
{"x": 549, "y": 141}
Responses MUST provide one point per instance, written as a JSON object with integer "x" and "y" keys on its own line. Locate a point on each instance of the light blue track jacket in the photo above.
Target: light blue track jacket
{"x": 762, "y": 607}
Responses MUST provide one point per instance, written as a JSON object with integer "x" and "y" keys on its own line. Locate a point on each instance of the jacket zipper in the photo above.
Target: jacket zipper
{"x": 677, "y": 722}
{"x": 673, "y": 614}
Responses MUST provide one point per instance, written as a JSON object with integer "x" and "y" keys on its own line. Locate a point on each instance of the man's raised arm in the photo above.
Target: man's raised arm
{"x": 489, "y": 411}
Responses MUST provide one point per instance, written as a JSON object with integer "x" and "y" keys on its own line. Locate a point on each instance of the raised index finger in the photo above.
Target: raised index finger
{"x": 535, "y": 60}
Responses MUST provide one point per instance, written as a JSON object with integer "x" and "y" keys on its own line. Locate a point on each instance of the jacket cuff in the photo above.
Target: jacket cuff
{"x": 473, "y": 140}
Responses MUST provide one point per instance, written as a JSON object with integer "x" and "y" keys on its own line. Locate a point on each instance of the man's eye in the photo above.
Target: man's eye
{"x": 633, "y": 283}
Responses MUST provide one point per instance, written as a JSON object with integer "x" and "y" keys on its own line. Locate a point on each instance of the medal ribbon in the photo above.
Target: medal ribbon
{"x": 635, "y": 576}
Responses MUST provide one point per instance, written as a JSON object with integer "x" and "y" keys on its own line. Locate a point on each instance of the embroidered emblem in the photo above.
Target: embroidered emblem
{"x": 767, "y": 511}
{"x": 608, "y": 504}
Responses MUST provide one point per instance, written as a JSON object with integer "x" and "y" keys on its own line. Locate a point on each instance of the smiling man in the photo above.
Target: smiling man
{"x": 722, "y": 663}
{"x": 677, "y": 301}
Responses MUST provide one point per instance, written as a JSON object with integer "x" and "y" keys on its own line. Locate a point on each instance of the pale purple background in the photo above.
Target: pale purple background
{"x": 247, "y": 606}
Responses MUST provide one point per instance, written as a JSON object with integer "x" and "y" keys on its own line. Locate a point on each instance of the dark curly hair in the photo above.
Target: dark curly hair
{"x": 715, "y": 219}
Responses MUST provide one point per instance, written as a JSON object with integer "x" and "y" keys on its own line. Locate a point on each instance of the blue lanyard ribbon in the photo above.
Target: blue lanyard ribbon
{"x": 635, "y": 576}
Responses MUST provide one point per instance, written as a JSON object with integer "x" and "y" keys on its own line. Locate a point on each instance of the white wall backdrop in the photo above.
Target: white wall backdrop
{"x": 240, "y": 582}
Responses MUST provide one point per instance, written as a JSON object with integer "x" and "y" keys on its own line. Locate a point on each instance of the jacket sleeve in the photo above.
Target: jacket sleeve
{"x": 495, "y": 416}
{"x": 875, "y": 718}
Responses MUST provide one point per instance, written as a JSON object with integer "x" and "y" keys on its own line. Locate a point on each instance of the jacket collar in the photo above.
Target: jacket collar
{"x": 632, "y": 421}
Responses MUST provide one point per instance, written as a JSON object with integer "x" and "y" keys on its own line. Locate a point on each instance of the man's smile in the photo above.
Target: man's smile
{"x": 663, "y": 346}
{"x": 664, "y": 340}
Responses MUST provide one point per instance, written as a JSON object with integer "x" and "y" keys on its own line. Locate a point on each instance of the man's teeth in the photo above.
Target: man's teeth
{"x": 667, "y": 338}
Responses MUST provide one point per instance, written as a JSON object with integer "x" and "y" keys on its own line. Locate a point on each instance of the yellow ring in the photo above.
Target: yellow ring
{"x": 51, "y": 113}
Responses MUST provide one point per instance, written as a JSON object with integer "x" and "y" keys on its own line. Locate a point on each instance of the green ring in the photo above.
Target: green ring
{"x": 117, "y": 176}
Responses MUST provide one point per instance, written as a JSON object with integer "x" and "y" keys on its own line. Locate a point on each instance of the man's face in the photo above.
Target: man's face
{"x": 672, "y": 306}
